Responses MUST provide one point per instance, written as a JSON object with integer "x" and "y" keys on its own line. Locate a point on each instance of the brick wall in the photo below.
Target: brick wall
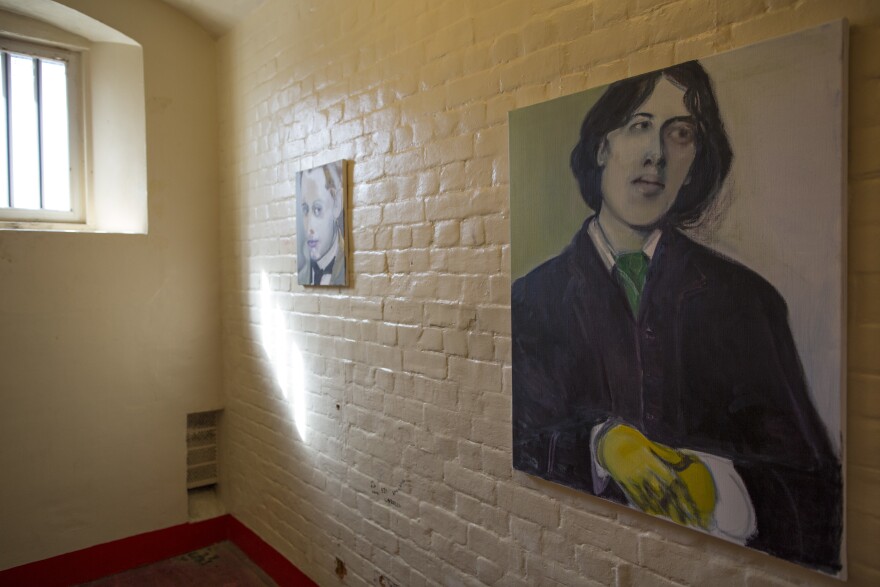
{"x": 403, "y": 380}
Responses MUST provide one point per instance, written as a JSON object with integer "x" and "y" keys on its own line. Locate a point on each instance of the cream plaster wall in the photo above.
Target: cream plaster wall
{"x": 403, "y": 380}
{"x": 107, "y": 341}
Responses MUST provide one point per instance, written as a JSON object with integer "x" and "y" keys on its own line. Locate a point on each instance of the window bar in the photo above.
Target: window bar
{"x": 38, "y": 98}
{"x": 7, "y": 65}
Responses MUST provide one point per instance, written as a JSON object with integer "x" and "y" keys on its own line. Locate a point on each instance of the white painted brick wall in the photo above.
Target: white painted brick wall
{"x": 405, "y": 472}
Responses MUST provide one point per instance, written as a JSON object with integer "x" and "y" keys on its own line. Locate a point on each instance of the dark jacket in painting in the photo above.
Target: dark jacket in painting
{"x": 708, "y": 365}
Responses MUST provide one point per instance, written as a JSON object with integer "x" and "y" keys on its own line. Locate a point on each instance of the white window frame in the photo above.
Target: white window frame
{"x": 76, "y": 135}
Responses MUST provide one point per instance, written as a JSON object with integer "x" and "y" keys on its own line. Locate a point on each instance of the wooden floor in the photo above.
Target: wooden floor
{"x": 220, "y": 565}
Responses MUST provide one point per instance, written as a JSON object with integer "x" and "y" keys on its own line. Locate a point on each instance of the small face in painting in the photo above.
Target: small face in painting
{"x": 647, "y": 160}
{"x": 320, "y": 205}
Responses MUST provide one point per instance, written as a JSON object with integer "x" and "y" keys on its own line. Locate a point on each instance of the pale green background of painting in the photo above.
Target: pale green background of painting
{"x": 781, "y": 212}
{"x": 546, "y": 207}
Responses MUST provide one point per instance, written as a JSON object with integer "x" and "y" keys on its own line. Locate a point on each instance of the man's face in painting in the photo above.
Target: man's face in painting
{"x": 647, "y": 160}
{"x": 319, "y": 208}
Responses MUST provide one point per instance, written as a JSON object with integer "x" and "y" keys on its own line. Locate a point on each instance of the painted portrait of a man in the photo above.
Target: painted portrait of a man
{"x": 320, "y": 196}
{"x": 654, "y": 371}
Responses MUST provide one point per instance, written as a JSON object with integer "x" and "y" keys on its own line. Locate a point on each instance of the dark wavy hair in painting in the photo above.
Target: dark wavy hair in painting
{"x": 620, "y": 101}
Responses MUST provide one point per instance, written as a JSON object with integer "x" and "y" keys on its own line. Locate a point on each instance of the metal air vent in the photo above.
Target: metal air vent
{"x": 201, "y": 449}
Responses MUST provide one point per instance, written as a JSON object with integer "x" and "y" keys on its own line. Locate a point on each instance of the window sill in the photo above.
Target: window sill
{"x": 23, "y": 226}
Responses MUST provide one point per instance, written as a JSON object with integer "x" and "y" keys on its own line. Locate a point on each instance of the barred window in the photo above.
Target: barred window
{"x": 40, "y": 134}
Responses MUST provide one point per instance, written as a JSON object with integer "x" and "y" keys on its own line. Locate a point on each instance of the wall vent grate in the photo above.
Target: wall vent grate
{"x": 201, "y": 449}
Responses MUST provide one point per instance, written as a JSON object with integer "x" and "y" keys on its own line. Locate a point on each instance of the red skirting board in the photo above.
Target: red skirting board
{"x": 127, "y": 553}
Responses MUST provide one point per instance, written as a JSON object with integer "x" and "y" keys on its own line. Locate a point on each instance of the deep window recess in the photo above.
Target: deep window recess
{"x": 39, "y": 133}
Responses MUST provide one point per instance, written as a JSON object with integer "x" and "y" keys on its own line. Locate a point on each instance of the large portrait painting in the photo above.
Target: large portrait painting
{"x": 677, "y": 300}
{"x": 321, "y": 196}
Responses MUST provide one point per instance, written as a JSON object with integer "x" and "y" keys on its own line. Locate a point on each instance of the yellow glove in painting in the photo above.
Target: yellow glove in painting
{"x": 658, "y": 479}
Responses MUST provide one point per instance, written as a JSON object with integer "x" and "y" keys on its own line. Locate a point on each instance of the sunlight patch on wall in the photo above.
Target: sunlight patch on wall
{"x": 284, "y": 355}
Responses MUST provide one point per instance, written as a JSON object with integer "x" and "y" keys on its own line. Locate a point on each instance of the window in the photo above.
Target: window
{"x": 106, "y": 114}
{"x": 40, "y": 133}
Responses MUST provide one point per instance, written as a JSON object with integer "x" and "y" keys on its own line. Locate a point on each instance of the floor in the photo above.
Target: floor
{"x": 220, "y": 565}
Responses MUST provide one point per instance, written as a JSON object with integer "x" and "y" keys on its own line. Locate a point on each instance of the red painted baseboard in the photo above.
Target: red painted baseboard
{"x": 117, "y": 556}
{"x": 135, "y": 551}
{"x": 267, "y": 558}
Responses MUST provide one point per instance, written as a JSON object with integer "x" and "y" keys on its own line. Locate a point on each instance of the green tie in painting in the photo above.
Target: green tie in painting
{"x": 632, "y": 268}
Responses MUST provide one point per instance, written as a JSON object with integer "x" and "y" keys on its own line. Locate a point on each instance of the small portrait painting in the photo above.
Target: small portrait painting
{"x": 677, "y": 307}
{"x": 321, "y": 196}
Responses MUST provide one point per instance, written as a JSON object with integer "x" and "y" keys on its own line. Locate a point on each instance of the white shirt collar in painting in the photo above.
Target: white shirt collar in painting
{"x": 324, "y": 261}
{"x": 607, "y": 252}
{"x": 329, "y": 255}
